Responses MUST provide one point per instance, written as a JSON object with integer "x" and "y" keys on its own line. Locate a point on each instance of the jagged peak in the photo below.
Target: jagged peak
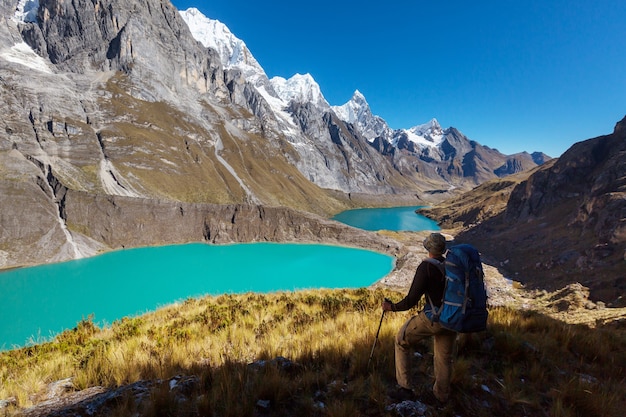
{"x": 358, "y": 100}
{"x": 357, "y": 112}
{"x": 429, "y": 134}
{"x": 354, "y": 109}
{"x": 358, "y": 96}
{"x": 301, "y": 88}
{"x": 214, "y": 34}
{"x": 432, "y": 125}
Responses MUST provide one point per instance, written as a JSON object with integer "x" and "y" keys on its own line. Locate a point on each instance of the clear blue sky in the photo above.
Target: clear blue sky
{"x": 512, "y": 75}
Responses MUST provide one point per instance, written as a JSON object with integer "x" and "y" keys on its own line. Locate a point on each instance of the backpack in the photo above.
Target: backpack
{"x": 464, "y": 304}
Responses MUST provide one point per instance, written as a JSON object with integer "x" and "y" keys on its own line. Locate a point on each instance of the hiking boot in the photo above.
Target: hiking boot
{"x": 401, "y": 394}
{"x": 428, "y": 397}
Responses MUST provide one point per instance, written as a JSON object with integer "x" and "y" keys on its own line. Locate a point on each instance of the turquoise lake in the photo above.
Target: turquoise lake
{"x": 39, "y": 302}
{"x": 394, "y": 218}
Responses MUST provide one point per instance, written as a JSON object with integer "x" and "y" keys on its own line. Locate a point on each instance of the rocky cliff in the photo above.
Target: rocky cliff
{"x": 88, "y": 223}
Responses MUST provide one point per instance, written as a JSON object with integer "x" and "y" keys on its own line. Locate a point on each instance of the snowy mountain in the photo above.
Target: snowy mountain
{"x": 301, "y": 89}
{"x": 427, "y": 134}
{"x": 232, "y": 51}
{"x": 425, "y": 142}
{"x": 234, "y": 54}
{"x": 357, "y": 112}
{"x": 119, "y": 99}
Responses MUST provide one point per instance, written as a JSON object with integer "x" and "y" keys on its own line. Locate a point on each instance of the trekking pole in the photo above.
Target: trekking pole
{"x": 377, "y": 333}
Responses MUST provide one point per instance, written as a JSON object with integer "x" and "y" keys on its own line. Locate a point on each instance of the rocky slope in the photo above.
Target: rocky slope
{"x": 564, "y": 223}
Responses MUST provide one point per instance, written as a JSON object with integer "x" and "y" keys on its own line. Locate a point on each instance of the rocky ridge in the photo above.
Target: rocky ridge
{"x": 569, "y": 217}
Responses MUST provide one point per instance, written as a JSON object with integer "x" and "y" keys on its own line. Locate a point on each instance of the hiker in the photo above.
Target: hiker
{"x": 429, "y": 281}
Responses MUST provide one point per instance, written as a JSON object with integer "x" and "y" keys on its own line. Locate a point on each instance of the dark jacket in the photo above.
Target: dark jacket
{"x": 428, "y": 280}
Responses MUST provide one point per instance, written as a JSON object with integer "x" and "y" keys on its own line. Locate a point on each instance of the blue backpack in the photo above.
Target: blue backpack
{"x": 464, "y": 305}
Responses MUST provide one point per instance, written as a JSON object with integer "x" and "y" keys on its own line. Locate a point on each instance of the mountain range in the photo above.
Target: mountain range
{"x": 446, "y": 155}
{"x": 128, "y": 99}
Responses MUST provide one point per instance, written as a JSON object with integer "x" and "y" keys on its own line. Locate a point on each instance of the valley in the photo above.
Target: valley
{"x": 128, "y": 123}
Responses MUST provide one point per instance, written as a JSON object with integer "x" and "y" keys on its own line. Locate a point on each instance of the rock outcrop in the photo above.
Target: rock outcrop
{"x": 123, "y": 221}
{"x": 92, "y": 223}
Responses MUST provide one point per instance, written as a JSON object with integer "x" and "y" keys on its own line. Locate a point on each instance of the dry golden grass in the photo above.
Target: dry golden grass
{"x": 525, "y": 364}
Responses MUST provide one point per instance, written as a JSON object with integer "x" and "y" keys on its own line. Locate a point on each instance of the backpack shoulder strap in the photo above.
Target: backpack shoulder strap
{"x": 441, "y": 266}
{"x": 438, "y": 264}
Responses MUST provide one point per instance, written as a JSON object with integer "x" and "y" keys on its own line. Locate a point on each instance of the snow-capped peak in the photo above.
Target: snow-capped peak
{"x": 427, "y": 134}
{"x": 214, "y": 34}
{"x": 300, "y": 88}
{"x": 233, "y": 53}
{"x": 431, "y": 127}
{"x": 357, "y": 112}
{"x": 355, "y": 109}
{"x": 357, "y": 97}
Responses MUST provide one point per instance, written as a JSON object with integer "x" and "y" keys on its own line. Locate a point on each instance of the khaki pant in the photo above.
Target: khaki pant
{"x": 411, "y": 333}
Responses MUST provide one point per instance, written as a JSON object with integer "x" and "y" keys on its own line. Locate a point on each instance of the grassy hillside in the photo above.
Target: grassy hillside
{"x": 306, "y": 354}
